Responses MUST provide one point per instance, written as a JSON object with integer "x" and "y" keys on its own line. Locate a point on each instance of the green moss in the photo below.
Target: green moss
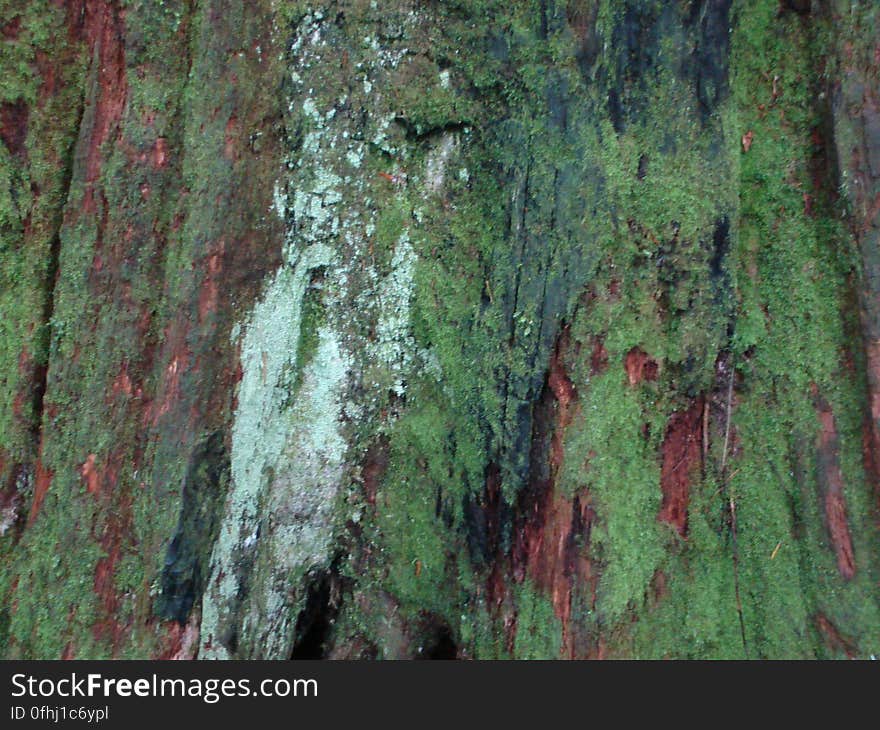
{"x": 538, "y": 630}
{"x": 392, "y": 221}
{"x": 43, "y": 628}
{"x": 31, "y": 196}
{"x": 99, "y": 312}
{"x": 650, "y": 228}
{"x": 312, "y": 318}
{"x": 794, "y": 306}
{"x": 420, "y": 495}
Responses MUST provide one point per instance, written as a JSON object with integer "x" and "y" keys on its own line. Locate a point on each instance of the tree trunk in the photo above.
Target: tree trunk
{"x": 476, "y": 329}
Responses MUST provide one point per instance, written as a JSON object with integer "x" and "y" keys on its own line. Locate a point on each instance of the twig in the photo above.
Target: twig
{"x": 732, "y": 504}
{"x": 727, "y": 418}
{"x": 705, "y": 431}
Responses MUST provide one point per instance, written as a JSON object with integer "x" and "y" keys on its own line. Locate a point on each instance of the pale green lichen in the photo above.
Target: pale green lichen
{"x": 288, "y": 439}
{"x": 394, "y": 344}
{"x": 260, "y": 431}
{"x": 298, "y": 509}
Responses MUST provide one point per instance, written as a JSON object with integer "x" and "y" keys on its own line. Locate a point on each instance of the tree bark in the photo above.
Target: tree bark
{"x": 418, "y": 329}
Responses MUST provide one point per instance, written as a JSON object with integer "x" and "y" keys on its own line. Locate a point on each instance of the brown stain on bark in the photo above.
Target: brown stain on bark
{"x": 123, "y": 385}
{"x": 210, "y": 283}
{"x": 11, "y": 28}
{"x": 682, "y": 457}
{"x": 598, "y": 357}
{"x": 19, "y": 404}
{"x": 42, "y": 481}
{"x": 46, "y": 68}
{"x": 90, "y": 475}
{"x": 659, "y": 587}
{"x": 557, "y": 559}
{"x": 831, "y": 487}
{"x": 375, "y": 464}
{"x": 115, "y": 539}
{"x": 168, "y": 390}
{"x": 639, "y": 366}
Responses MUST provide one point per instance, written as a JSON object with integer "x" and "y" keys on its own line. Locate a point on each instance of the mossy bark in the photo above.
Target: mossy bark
{"x": 545, "y": 328}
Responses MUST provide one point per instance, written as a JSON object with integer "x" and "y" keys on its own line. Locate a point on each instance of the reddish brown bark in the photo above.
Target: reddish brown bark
{"x": 833, "y": 639}
{"x": 13, "y": 125}
{"x": 104, "y": 34}
{"x": 682, "y": 455}
{"x": 831, "y": 487}
{"x": 639, "y": 366}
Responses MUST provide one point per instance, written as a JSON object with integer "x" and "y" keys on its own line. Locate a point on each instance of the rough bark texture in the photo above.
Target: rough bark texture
{"x": 407, "y": 328}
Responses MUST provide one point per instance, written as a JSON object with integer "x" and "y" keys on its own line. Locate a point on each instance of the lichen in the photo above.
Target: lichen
{"x": 261, "y": 432}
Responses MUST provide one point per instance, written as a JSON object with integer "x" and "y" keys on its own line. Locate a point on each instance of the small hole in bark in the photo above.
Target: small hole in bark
{"x": 440, "y": 644}
{"x": 315, "y": 621}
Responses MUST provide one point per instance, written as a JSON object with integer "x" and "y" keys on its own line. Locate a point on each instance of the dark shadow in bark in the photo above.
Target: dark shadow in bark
{"x": 314, "y": 625}
{"x": 487, "y": 521}
{"x": 438, "y": 641}
{"x": 186, "y": 562}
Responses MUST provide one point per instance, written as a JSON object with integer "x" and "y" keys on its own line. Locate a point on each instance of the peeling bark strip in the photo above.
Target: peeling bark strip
{"x": 682, "y": 458}
{"x": 831, "y": 487}
{"x": 558, "y": 562}
{"x": 105, "y": 35}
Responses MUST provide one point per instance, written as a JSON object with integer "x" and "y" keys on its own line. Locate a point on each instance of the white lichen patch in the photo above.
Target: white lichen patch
{"x": 8, "y": 516}
{"x": 279, "y": 199}
{"x": 301, "y": 498}
{"x": 394, "y": 345}
{"x": 289, "y": 435}
{"x": 260, "y": 431}
{"x": 438, "y": 160}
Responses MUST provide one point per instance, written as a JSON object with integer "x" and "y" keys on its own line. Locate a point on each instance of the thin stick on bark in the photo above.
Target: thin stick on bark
{"x": 732, "y": 505}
